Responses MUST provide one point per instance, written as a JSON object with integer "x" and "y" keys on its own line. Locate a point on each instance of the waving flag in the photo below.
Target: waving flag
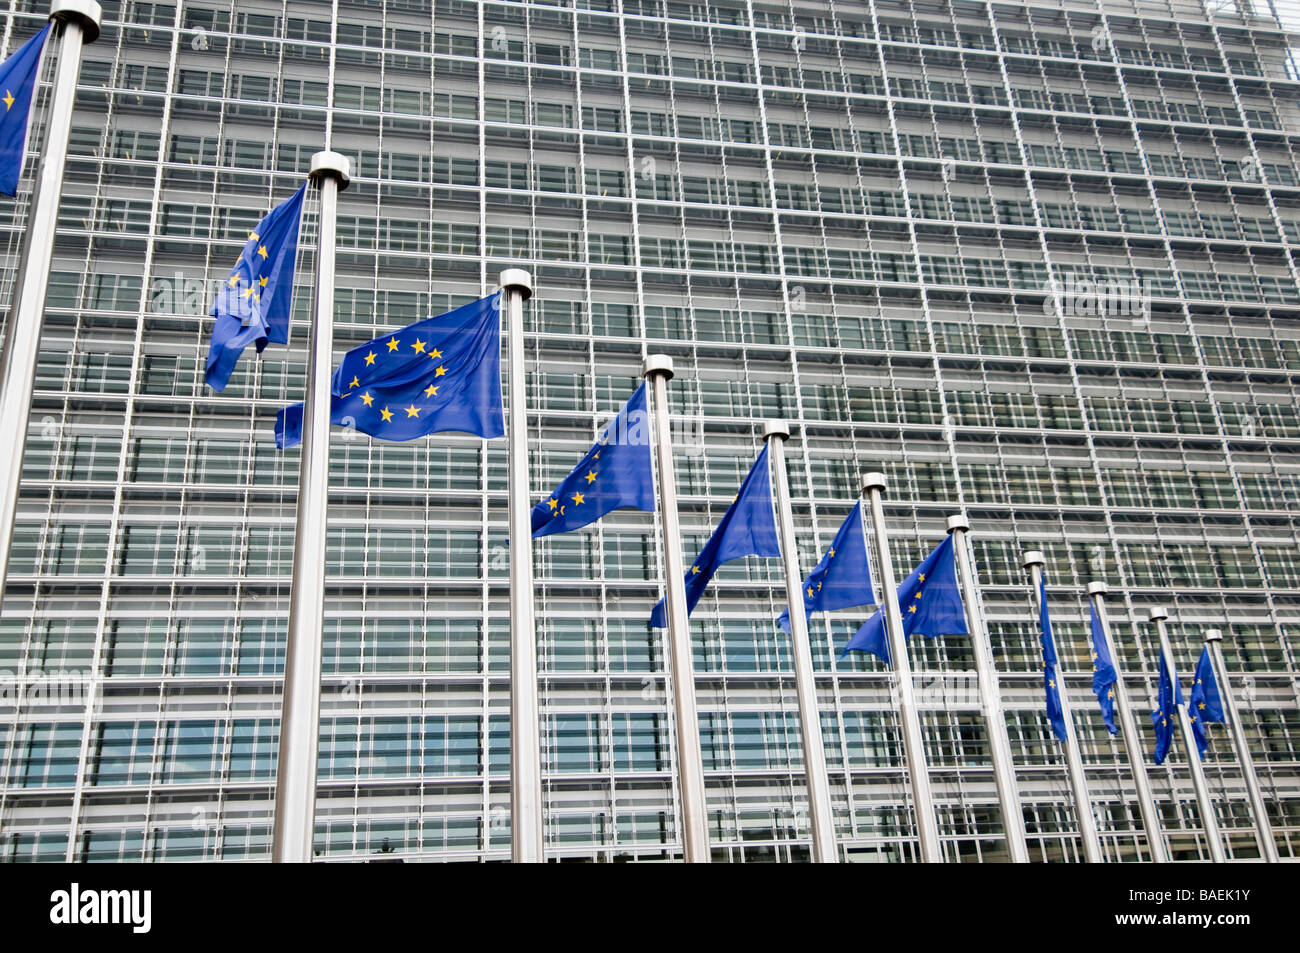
{"x": 940, "y": 612}
{"x": 252, "y": 307}
{"x": 1104, "y": 676}
{"x": 842, "y": 579}
{"x": 1054, "y": 713}
{"x": 748, "y": 528}
{"x": 442, "y": 373}
{"x": 18, "y": 80}
{"x": 615, "y": 473}
{"x": 1206, "y": 704}
{"x": 1170, "y": 696}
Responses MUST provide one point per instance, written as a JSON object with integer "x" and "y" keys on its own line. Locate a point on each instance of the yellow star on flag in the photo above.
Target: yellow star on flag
{"x": 367, "y": 399}
{"x": 431, "y": 391}
{"x": 392, "y": 344}
{"x": 435, "y": 354}
{"x": 695, "y": 570}
{"x": 370, "y": 358}
{"x": 386, "y": 414}
{"x": 419, "y": 346}
{"x": 355, "y": 383}
{"x": 261, "y": 250}
{"x": 9, "y": 100}
{"x": 412, "y": 411}
{"x": 591, "y": 477}
{"x": 553, "y": 504}
{"x": 440, "y": 372}
{"x": 579, "y": 499}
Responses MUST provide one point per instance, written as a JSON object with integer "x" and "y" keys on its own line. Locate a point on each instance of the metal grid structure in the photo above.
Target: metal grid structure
{"x": 1034, "y": 263}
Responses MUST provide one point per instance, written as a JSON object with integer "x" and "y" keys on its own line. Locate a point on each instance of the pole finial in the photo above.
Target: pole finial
{"x": 658, "y": 364}
{"x": 776, "y": 428}
{"x": 518, "y": 279}
{"x": 1032, "y": 558}
{"x": 1158, "y": 613}
{"x": 87, "y": 13}
{"x": 328, "y": 162}
{"x": 1213, "y": 635}
{"x": 873, "y": 481}
{"x": 1098, "y": 588}
{"x": 958, "y": 521}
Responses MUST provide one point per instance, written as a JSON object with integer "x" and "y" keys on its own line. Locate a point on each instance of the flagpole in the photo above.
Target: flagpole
{"x": 1210, "y": 822}
{"x": 1036, "y": 564}
{"x": 293, "y": 831}
{"x": 527, "y": 833}
{"x": 918, "y": 771}
{"x": 1004, "y": 774}
{"x": 1132, "y": 740}
{"x": 821, "y": 815}
{"x": 658, "y": 371}
{"x": 78, "y": 24}
{"x": 1263, "y": 829}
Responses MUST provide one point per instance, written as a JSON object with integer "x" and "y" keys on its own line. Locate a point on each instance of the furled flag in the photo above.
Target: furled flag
{"x": 442, "y": 373}
{"x": 748, "y": 528}
{"x": 614, "y": 473}
{"x": 1054, "y": 713}
{"x": 940, "y": 612}
{"x": 841, "y": 579}
{"x": 253, "y": 305}
{"x": 18, "y": 80}
{"x": 1206, "y": 705}
{"x": 1104, "y": 676}
{"x": 1170, "y": 697}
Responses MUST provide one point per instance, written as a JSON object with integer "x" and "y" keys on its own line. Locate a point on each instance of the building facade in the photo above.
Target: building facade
{"x": 1038, "y": 264}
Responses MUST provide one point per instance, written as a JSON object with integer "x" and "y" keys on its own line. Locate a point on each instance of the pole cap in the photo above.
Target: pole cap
{"x": 958, "y": 521}
{"x": 518, "y": 279}
{"x": 1213, "y": 635}
{"x": 1032, "y": 558}
{"x": 873, "y": 481}
{"x": 1098, "y": 588}
{"x": 1157, "y": 613}
{"x": 328, "y": 162}
{"x": 776, "y": 428}
{"x": 87, "y": 13}
{"x": 657, "y": 364}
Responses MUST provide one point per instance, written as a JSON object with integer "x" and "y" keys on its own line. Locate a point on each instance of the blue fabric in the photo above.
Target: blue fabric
{"x": 940, "y": 612}
{"x": 253, "y": 305}
{"x": 1104, "y": 675}
{"x": 842, "y": 579}
{"x": 1055, "y": 716}
{"x": 1206, "y": 705}
{"x": 18, "y": 81}
{"x": 442, "y": 373}
{"x": 616, "y": 472}
{"x": 748, "y": 528}
{"x": 1170, "y": 697}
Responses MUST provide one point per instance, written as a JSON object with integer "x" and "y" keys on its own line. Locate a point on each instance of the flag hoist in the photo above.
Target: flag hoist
{"x": 295, "y": 782}
{"x": 73, "y": 24}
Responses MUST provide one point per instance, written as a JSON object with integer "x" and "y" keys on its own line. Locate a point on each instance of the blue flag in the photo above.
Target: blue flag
{"x": 1170, "y": 697}
{"x": 1206, "y": 704}
{"x": 18, "y": 80}
{"x": 1104, "y": 675}
{"x": 614, "y": 473}
{"x": 442, "y": 373}
{"x": 940, "y": 612}
{"x": 841, "y": 579}
{"x": 252, "y": 307}
{"x": 1054, "y": 713}
{"x": 748, "y": 528}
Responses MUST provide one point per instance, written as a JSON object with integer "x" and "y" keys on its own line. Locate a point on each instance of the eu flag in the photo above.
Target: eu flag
{"x": 748, "y": 528}
{"x": 1170, "y": 697}
{"x": 1054, "y": 713}
{"x": 1104, "y": 675}
{"x": 841, "y": 579}
{"x": 442, "y": 373}
{"x": 614, "y": 473}
{"x": 1206, "y": 704}
{"x": 18, "y": 80}
{"x": 252, "y": 307}
{"x": 940, "y": 612}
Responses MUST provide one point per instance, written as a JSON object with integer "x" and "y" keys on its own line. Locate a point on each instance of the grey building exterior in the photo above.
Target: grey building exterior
{"x": 1038, "y": 264}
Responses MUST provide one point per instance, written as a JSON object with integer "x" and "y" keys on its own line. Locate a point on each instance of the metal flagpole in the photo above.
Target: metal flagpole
{"x": 77, "y": 24}
{"x": 1208, "y": 819}
{"x": 1263, "y": 829}
{"x": 1004, "y": 774}
{"x": 918, "y": 771}
{"x": 526, "y": 829}
{"x": 690, "y": 762}
{"x": 1036, "y": 564}
{"x": 293, "y": 831}
{"x": 821, "y": 816}
{"x": 1132, "y": 740}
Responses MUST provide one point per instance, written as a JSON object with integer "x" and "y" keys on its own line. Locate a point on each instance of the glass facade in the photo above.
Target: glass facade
{"x": 1037, "y": 263}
